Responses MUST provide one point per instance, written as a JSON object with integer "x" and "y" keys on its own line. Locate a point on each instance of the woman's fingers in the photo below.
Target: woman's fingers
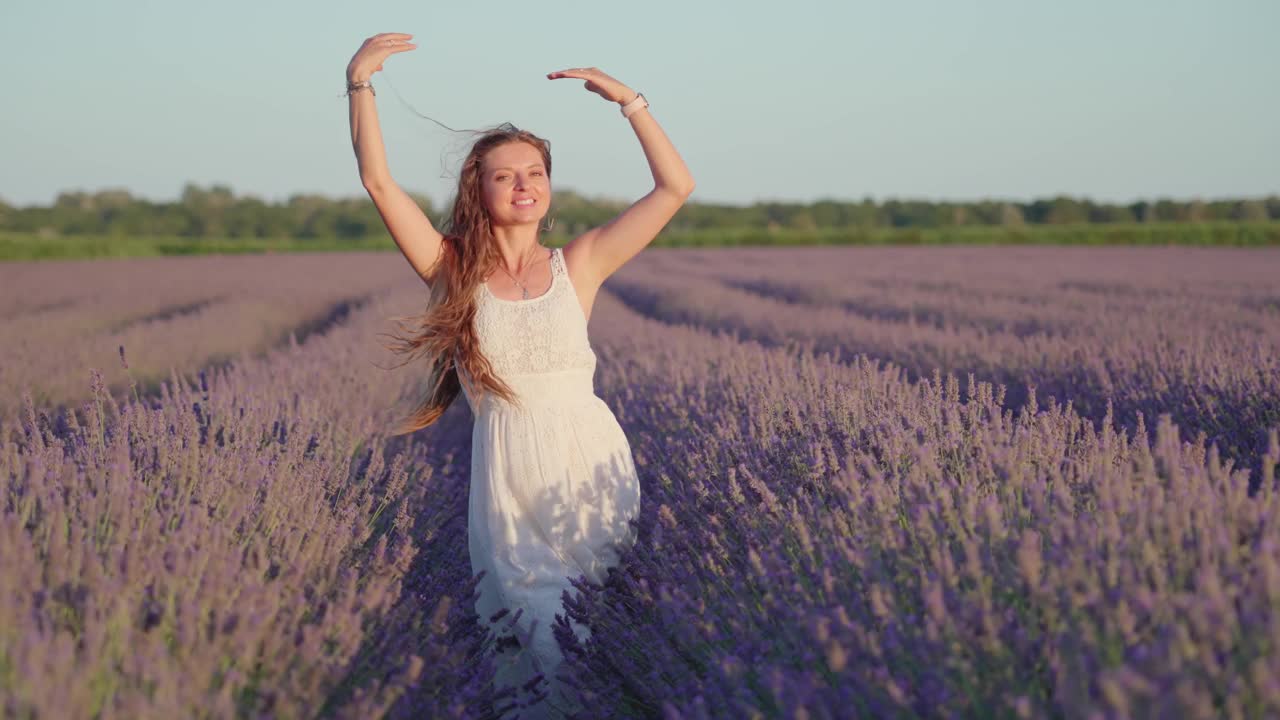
{"x": 394, "y": 46}
{"x": 386, "y": 52}
{"x": 581, "y": 73}
{"x": 383, "y": 41}
{"x": 595, "y": 81}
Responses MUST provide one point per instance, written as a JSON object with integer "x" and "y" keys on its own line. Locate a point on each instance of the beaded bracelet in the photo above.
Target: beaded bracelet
{"x": 357, "y": 86}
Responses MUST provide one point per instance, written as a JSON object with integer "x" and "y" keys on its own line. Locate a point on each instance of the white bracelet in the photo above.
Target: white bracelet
{"x": 634, "y": 106}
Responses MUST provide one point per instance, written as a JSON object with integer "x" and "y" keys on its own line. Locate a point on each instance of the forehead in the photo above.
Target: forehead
{"x": 512, "y": 154}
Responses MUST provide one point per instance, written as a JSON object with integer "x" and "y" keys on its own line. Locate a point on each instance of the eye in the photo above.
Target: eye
{"x": 500, "y": 178}
{"x": 537, "y": 172}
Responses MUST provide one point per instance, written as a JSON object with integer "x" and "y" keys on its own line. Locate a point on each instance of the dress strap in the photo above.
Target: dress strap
{"x": 557, "y": 261}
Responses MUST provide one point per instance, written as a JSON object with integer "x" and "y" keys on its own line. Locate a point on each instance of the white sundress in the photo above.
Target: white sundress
{"x": 553, "y": 484}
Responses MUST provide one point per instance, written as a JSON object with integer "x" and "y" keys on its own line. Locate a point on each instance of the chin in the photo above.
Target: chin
{"x": 516, "y": 221}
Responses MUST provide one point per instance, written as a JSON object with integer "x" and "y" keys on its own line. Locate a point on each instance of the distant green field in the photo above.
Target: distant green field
{"x": 29, "y": 246}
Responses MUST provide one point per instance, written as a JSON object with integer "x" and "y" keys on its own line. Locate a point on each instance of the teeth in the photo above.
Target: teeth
{"x": 524, "y": 202}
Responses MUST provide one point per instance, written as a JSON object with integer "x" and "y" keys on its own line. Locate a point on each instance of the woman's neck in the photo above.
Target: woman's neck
{"x": 517, "y": 246}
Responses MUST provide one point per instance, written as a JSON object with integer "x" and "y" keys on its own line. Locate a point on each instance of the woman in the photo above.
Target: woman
{"x": 553, "y": 485}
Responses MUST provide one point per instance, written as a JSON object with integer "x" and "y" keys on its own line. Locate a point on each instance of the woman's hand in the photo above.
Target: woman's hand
{"x": 368, "y": 59}
{"x": 599, "y": 83}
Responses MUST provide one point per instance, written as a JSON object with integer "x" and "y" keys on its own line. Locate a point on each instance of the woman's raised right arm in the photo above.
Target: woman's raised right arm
{"x": 409, "y": 226}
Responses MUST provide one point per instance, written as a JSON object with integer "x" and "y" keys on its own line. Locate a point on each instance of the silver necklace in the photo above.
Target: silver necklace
{"x": 523, "y": 290}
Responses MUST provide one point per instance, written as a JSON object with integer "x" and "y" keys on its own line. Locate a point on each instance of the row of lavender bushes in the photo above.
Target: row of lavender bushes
{"x": 183, "y": 314}
{"x": 1191, "y": 332}
{"x": 247, "y": 543}
{"x": 821, "y": 539}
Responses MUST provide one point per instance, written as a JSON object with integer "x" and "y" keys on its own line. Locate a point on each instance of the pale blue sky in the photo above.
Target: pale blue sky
{"x": 1116, "y": 100}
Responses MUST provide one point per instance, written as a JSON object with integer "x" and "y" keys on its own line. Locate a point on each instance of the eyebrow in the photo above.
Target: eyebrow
{"x": 507, "y": 167}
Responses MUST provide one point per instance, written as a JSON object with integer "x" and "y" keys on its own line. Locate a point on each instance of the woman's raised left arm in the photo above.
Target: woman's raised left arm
{"x": 611, "y": 245}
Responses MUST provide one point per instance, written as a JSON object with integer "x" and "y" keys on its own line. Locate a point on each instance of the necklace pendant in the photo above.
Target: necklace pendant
{"x": 525, "y": 293}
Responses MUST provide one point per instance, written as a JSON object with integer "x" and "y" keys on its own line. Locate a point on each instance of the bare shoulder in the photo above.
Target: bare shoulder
{"x": 577, "y": 262}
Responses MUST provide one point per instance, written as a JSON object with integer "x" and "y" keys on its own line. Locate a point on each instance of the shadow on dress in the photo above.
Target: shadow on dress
{"x": 587, "y": 531}
{"x": 499, "y": 665}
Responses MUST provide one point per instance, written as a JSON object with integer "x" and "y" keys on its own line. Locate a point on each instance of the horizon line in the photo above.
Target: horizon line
{"x": 693, "y": 199}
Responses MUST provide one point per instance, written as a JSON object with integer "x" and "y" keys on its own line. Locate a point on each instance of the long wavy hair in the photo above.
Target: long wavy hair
{"x": 445, "y": 332}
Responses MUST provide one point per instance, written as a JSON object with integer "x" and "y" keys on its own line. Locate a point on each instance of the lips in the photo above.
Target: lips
{"x": 525, "y": 202}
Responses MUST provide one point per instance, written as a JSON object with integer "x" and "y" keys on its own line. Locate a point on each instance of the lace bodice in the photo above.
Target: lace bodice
{"x": 543, "y": 334}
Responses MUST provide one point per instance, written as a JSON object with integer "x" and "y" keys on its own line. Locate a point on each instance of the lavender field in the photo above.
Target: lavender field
{"x": 877, "y": 482}
{"x": 58, "y": 319}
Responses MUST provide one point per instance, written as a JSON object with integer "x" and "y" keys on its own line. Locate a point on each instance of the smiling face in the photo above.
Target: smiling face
{"x": 514, "y": 184}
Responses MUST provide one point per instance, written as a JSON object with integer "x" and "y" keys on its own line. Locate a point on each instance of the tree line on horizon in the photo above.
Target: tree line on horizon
{"x": 215, "y": 211}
